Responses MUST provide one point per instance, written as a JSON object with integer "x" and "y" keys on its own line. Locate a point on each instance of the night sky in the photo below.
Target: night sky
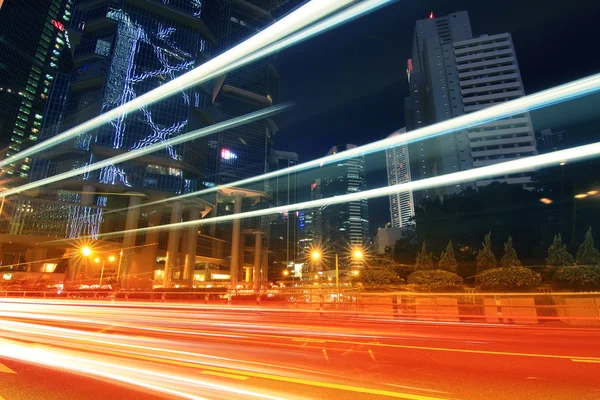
{"x": 350, "y": 83}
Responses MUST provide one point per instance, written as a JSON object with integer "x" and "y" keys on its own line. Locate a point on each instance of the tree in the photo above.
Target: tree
{"x": 558, "y": 256}
{"x": 509, "y": 258}
{"x": 486, "y": 258}
{"x": 424, "y": 259}
{"x": 587, "y": 253}
{"x": 447, "y": 260}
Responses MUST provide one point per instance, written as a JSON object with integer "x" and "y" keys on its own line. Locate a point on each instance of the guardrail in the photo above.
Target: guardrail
{"x": 495, "y": 308}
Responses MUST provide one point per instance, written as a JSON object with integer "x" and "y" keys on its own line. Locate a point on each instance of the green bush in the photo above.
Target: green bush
{"x": 378, "y": 277}
{"x": 507, "y": 279}
{"x": 436, "y": 280}
{"x": 584, "y": 277}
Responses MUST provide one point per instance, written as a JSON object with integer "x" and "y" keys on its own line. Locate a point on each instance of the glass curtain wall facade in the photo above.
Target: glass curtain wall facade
{"x": 121, "y": 50}
{"x": 344, "y": 226}
{"x": 241, "y": 152}
{"x": 283, "y": 229}
{"x": 31, "y": 53}
{"x": 402, "y": 208}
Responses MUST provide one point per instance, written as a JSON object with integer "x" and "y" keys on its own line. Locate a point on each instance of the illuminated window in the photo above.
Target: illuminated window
{"x": 49, "y": 267}
{"x": 227, "y": 154}
{"x": 175, "y": 171}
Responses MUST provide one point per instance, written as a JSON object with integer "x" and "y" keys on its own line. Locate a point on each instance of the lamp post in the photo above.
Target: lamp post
{"x": 357, "y": 254}
{"x": 86, "y": 251}
{"x": 97, "y": 260}
{"x": 286, "y": 273}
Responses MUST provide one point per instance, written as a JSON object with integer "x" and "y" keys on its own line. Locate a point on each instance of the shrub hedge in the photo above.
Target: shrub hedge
{"x": 507, "y": 279}
{"x": 583, "y": 277}
{"x": 435, "y": 280}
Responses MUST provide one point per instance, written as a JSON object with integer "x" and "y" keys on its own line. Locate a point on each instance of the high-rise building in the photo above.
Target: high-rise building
{"x": 241, "y": 152}
{"x": 451, "y": 73}
{"x": 283, "y": 235}
{"x": 344, "y": 226}
{"x": 488, "y": 74}
{"x": 430, "y": 93}
{"x": 306, "y": 233}
{"x": 316, "y": 194}
{"x": 402, "y": 208}
{"x": 121, "y": 50}
{"x": 33, "y": 40}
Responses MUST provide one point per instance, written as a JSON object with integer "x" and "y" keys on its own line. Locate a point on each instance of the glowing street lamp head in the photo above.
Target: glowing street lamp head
{"x": 315, "y": 255}
{"x": 358, "y": 254}
{"x": 86, "y": 251}
{"x": 286, "y": 272}
{"x": 96, "y": 260}
{"x": 355, "y": 273}
{"x": 111, "y": 258}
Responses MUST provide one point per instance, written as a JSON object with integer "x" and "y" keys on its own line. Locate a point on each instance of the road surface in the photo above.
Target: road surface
{"x": 70, "y": 349}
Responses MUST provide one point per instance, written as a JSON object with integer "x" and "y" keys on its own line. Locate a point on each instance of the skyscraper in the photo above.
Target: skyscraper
{"x": 488, "y": 74}
{"x": 316, "y": 215}
{"x": 344, "y": 225}
{"x": 121, "y": 50}
{"x": 451, "y": 73}
{"x": 283, "y": 235}
{"x": 402, "y": 208}
{"x": 240, "y": 152}
{"x": 33, "y": 40}
{"x": 430, "y": 93}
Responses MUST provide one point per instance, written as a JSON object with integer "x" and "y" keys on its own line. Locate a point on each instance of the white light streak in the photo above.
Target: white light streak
{"x": 295, "y": 21}
{"x": 538, "y": 100}
{"x": 209, "y": 130}
{"x": 505, "y": 168}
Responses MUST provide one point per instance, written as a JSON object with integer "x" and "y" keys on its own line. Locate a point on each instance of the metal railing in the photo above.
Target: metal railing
{"x": 496, "y": 308}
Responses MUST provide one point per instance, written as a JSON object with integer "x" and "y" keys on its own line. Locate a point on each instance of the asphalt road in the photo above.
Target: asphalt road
{"x": 21, "y": 381}
{"x": 102, "y": 350}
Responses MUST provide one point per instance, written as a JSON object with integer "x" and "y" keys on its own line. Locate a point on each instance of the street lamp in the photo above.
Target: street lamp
{"x": 286, "y": 272}
{"x": 110, "y": 259}
{"x": 357, "y": 254}
{"x": 86, "y": 251}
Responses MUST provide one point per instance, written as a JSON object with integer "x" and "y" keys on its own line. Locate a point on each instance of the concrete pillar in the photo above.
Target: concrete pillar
{"x": 173, "y": 244}
{"x": 216, "y": 251}
{"x": 220, "y": 249}
{"x": 131, "y": 223}
{"x": 257, "y": 257}
{"x": 72, "y": 265}
{"x": 192, "y": 242}
{"x": 264, "y": 267}
{"x": 235, "y": 240}
{"x": 152, "y": 237}
{"x": 88, "y": 195}
{"x": 39, "y": 257}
